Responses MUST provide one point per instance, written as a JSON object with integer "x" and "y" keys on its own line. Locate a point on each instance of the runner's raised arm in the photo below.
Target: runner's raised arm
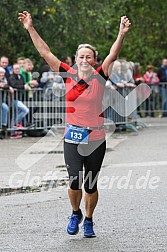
{"x": 125, "y": 25}
{"x": 26, "y": 19}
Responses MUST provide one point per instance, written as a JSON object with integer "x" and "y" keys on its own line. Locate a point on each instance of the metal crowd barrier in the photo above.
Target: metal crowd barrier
{"x": 47, "y": 106}
{"x": 119, "y": 109}
{"x": 32, "y": 99}
{"x": 156, "y": 104}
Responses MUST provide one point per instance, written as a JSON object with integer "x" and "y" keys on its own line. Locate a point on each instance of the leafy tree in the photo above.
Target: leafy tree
{"x": 64, "y": 24}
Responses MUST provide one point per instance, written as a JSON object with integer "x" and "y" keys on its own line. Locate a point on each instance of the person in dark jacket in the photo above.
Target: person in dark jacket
{"x": 162, "y": 75}
{"x": 4, "y": 109}
{"x": 16, "y": 81}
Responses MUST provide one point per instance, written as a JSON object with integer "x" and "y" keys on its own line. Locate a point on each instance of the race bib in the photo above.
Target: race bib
{"x": 76, "y": 134}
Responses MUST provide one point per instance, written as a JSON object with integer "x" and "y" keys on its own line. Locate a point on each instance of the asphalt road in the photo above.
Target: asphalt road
{"x": 131, "y": 213}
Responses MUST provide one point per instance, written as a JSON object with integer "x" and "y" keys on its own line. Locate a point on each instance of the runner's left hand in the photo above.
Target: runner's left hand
{"x": 125, "y": 24}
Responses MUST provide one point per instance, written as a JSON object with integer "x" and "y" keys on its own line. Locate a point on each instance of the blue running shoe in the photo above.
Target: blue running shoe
{"x": 73, "y": 225}
{"x": 88, "y": 229}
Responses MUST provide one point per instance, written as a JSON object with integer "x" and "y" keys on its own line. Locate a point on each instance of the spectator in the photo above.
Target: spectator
{"x": 138, "y": 78}
{"x": 111, "y": 84}
{"x": 114, "y": 82}
{"x": 44, "y": 67}
{"x": 162, "y": 75}
{"x": 16, "y": 81}
{"x": 4, "y": 62}
{"x": 109, "y": 112}
{"x": 31, "y": 84}
{"x": 115, "y": 74}
{"x": 26, "y": 72}
{"x": 122, "y": 74}
{"x": 151, "y": 78}
{"x": 126, "y": 74}
{"x": 9, "y": 68}
{"x": 99, "y": 61}
{"x": 3, "y": 102}
{"x": 54, "y": 91}
{"x": 53, "y": 81}
{"x": 21, "y": 62}
{"x": 4, "y": 118}
{"x": 67, "y": 60}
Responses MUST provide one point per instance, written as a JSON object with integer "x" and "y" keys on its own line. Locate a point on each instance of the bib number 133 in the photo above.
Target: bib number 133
{"x": 76, "y": 134}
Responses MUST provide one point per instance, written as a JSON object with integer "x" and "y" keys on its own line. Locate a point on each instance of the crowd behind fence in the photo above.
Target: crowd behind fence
{"x": 46, "y": 109}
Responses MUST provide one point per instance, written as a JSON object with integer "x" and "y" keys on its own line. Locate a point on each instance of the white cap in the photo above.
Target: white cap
{"x": 2, "y": 70}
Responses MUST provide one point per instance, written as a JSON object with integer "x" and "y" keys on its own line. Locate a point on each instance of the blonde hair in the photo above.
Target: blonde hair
{"x": 28, "y": 61}
{"x": 95, "y": 52}
{"x": 20, "y": 58}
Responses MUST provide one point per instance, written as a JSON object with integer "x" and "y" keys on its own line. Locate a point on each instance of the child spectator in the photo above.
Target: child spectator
{"x": 26, "y": 72}
{"x": 21, "y": 62}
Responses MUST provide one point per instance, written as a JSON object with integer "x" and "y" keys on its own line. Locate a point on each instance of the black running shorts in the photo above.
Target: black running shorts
{"x": 88, "y": 156}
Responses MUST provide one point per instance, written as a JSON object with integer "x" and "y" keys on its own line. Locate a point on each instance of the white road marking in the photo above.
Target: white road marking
{"x": 140, "y": 164}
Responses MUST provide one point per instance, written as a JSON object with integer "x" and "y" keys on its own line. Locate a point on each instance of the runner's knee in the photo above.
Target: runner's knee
{"x": 75, "y": 183}
{"x": 89, "y": 188}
